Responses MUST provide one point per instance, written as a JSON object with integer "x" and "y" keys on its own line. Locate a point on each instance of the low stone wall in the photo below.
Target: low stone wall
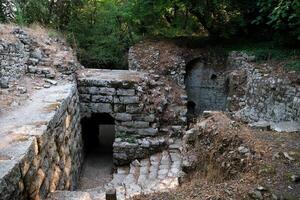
{"x": 23, "y": 51}
{"x": 13, "y": 57}
{"x": 261, "y": 94}
{"x": 41, "y": 145}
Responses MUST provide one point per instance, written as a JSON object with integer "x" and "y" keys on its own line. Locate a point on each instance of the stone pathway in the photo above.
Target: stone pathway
{"x": 96, "y": 171}
{"x": 158, "y": 173}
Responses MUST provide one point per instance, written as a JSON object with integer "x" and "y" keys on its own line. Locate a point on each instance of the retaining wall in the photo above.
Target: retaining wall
{"x": 41, "y": 145}
{"x": 261, "y": 93}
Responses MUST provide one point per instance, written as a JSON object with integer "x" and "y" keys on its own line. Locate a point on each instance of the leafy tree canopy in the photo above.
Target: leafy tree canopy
{"x": 102, "y": 30}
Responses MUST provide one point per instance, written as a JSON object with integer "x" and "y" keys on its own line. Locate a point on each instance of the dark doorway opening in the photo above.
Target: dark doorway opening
{"x": 191, "y": 114}
{"x": 213, "y": 77}
{"x": 98, "y": 132}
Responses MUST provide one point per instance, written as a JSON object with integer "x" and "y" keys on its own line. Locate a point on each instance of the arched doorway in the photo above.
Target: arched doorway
{"x": 206, "y": 87}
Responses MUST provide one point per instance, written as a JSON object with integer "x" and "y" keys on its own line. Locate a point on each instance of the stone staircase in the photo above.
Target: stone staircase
{"x": 159, "y": 173}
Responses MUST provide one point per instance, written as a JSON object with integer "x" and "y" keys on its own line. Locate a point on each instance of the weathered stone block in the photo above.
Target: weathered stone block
{"x": 134, "y": 108}
{"x": 119, "y": 108}
{"x": 102, "y": 99}
{"x": 127, "y": 99}
{"x": 148, "y": 131}
{"x": 136, "y": 124}
{"x": 123, "y": 129}
{"x": 85, "y": 98}
{"x": 126, "y": 92}
{"x": 143, "y": 117}
{"x": 101, "y": 107}
{"x": 123, "y": 117}
{"x": 107, "y": 91}
{"x": 88, "y": 90}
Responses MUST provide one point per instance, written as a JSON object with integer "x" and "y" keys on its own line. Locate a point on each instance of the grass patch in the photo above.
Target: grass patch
{"x": 293, "y": 65}
{"x": 263, "y": 50}
{"x": 267, "y": 170}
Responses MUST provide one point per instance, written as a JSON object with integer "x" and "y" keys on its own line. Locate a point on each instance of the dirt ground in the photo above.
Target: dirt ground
{"x": 272, "y": 171}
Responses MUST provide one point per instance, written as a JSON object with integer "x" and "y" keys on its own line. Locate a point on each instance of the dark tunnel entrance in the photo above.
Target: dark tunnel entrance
{"x": 98, "y": 132}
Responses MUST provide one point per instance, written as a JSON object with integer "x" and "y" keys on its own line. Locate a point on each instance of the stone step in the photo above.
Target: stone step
{"x": 69, "y": 195}
{"x": 97, "y": 193}
{"x": 158, "y": 173}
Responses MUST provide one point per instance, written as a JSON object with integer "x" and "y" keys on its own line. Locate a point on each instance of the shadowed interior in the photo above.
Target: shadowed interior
{"x": 98, "y": 135}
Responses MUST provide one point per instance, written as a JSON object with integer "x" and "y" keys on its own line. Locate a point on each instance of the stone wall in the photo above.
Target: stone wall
{"x": 137, "y": 104}
{"x": 207, "y": 87}
{"x": 13, "y": 57}
{"x": 32, "y": 51}
{"x": 41, "y": 147}
{"x": 158, "y": 57}
{"x": 262, "y": 93}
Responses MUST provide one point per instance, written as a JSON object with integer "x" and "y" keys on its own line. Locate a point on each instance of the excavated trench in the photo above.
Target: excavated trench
{"x": 207, "y": 90}
{"x": 98, "y": 132}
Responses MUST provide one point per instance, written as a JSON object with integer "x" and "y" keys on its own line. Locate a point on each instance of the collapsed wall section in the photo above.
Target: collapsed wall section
{"x": 27, "y": 51}
{"x": 259, "y": 93}
{"x": 41, "y": 145}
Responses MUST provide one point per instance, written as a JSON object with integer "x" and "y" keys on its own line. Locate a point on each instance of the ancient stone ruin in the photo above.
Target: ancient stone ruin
{"x": 50, "y": 106}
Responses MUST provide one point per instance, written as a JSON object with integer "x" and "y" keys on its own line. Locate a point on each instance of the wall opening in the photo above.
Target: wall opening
{"x": 191, "y": 111}
{"x": 98, "y": 132}
{"x": 206, "y": 86}
{"x": 213, "y": 77}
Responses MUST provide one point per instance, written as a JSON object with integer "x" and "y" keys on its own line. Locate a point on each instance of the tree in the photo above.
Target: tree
{"x": 283, "y": 16}
{"x": 9, "y": 9}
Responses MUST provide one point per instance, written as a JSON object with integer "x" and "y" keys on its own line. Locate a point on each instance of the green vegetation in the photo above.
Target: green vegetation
{"x": 103, "y": 30}
{"x": 293, "y": 65}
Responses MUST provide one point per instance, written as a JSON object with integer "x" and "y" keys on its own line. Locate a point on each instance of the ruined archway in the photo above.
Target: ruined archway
{"x": 206, "y": 87}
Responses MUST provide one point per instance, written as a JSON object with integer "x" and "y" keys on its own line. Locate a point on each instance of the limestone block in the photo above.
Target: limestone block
{"x": 148, "y": 131}
{"x": 144, "y": 117}
{"x": 136, "y": 124}
{"x": 127, "y": 99}
{"x": 85, "y": 97}
{"x": 124, "y": 129}
{"x": 69, "y": 195}
{"x": 102, "y": 99}
{"x": 134, "y": 108}
{"x": 101, "y": 108}
{"x": 119, "y": 108}
{"x": 92, "y": 90}
{"x": 123, "y": 117}
{"x": 126, "y": 92}
{"x": 107, "y": 91}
